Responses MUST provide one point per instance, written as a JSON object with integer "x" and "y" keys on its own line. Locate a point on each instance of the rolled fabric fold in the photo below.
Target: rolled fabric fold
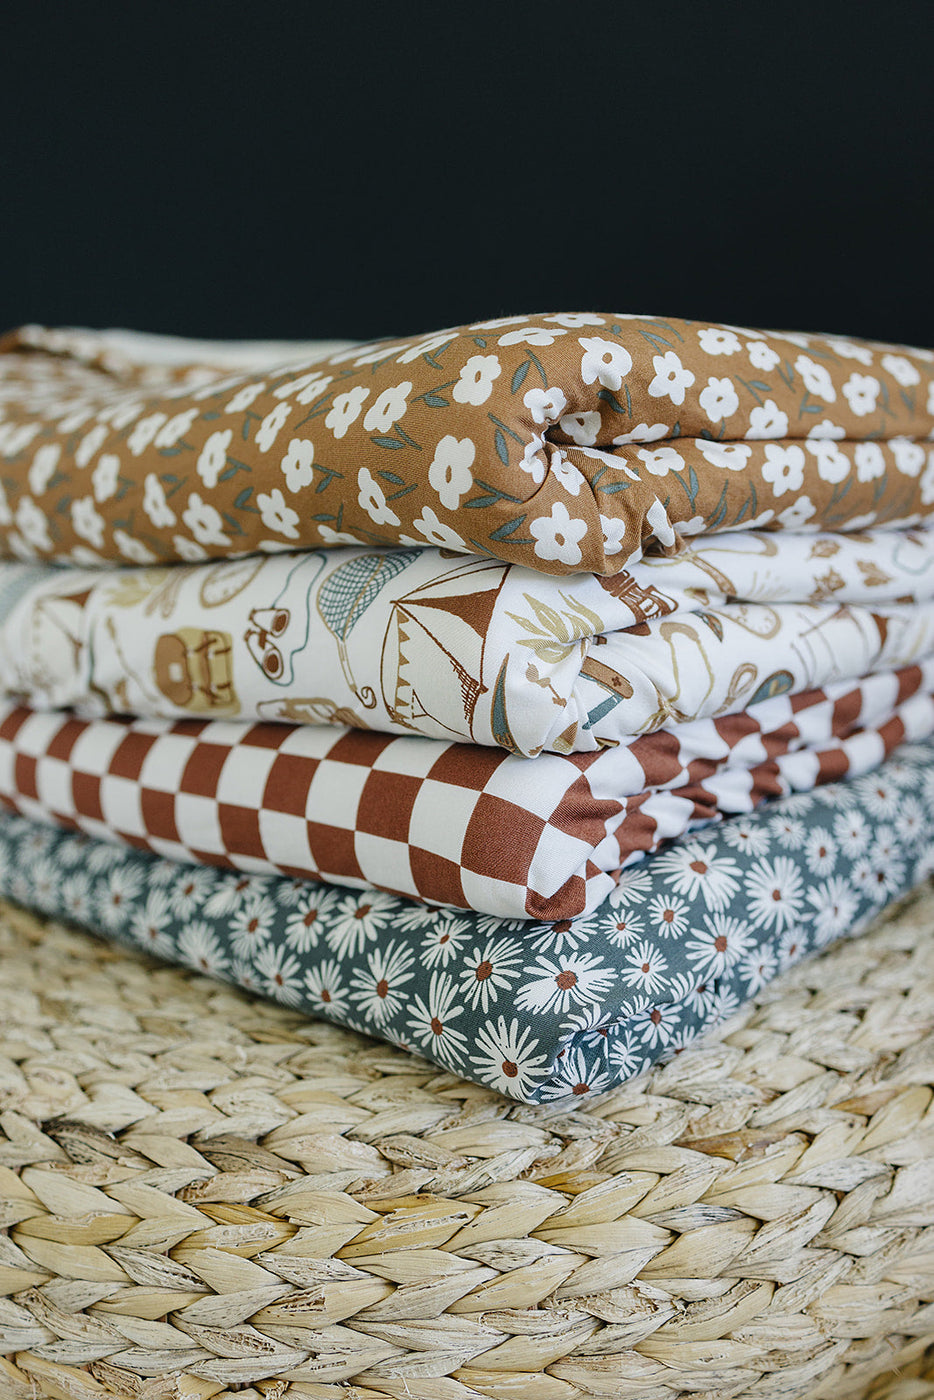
{"x": 537, "y": 1012}
{"x": 413, "y": 641}
{"x": 568, "y": 442}
{"x": 452, "y": 824}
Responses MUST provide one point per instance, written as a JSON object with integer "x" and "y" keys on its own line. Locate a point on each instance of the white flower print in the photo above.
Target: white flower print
{"x": 767, "y": 420}
{"x": 187, "y": 549}
{"x": 149, "y": 926}
{"x": 357, "y": 920}
{"x": 144, "y": 432}
{"x": 475, "y": 384}
{"x": 570, "y": 477}
{"x": 774, "y": 893}
{"x": 377, "y": 989}
{"x": 325, "y": 990}
{"x": 175, "y": 429}
{"x": 820, "y": 851}
{"x": 826, "y": 429}
{"x": 880, "y": 796}
{"x": 667, "y": 915}
{"x": 788, "y": 831}
{"x": 848, "y": 351}
{"x": 671, "y": 378}
{"x": 505, "y": 1056}
{"x": 861, "y": 392}
{"x": 631, "y": 888}
{"x": 189, "y": 891}
{"x": 625, "y": 929}
{"x": 870, "y": 461}
{"x": 731, "y": 455}
{"x": 909, "y": 456}
{"x": 443, "y": 940}
{"x": 272, "y": 425}
{"x": 345, "y": 410}
{"x": 534, "y": 461}
{"x": 276, "y": 515}
{"x": 715, "y": 341}
{"x": 425, "y": 347}
{"x": 645, "y": 968}
{"x": 901, "y": 370}
{"x": 306, "y": 388}
{"x": 199, "y": 947}
{"x": 160, "y": 513}
{"x": 661, "y": 460}
{"x": 762, "y": 356}
{"x": 576, "y": 320}
{"x": 86, "y": 522}
{"x": 449, "y": 474}
{"x": 305, "y": 925}
{"x": 546, "y": 405}
{"x": 927, "y": 481}
{"x": 642, "y": 433}
{"x": 604, "y": 361}
{"x": 835, "y": 905}
{"x": 251, "y": 923}
{"x": 204, "y": 521}
{"x": 832, "y": 464}
{"x": 388, "y": 408}
{"x": 132, "y": 549}
{"x": 656, "y": 518}
{"x": 14, "y": 439}
{"x": 613, "y": 531}
{"x": 693, "y": 869}
{"x": 32, "y": 524}
{"x": 852, "y": 832}
{"x": 581, "y": 428}
{"x": 531, "y": 335}
{"x": 719, "y": 399}
{"x": 279, "y": 973}
{"x": 76, "y": 898}
{"x": 758, "y": 968}
{"x": 783, "y": 468}
{"x": 442, "y": 536}
{"x": 816, "y": 379}
{"x": 298, "y": 464}
{"x": 42, "y": 468}
{"x": 575, "y": 1074}
{"x": 373, "y": 500}
{"x": 796, "y": 516}
{"x": 122, "y": 887}
{"x": 488, "y": 970}
{"x": 212, "y": 459}
{"x": 430, "y": 1020}
{"x": 718, "y": 945}
{"x": 553, "y": 984}
{"x": 106, "y": 476}
{"x": 625, "y": 1055}
{"x": 557, "y": 536}
{"x": 89, "y": 445}
{"x": 910, "y": 823}
{"x": 245, "y": 397}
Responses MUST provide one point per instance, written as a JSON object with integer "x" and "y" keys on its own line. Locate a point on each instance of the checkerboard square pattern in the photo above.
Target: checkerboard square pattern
{"x": 446, "y": 823}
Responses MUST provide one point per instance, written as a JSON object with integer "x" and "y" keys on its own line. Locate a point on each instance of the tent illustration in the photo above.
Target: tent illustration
{"x": 433, "y": 651}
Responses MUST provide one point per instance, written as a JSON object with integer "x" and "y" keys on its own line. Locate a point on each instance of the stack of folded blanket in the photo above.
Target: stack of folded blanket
{"x": 527, "y": 694}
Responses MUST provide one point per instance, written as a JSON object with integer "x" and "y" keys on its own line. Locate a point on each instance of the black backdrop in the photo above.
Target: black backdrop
{"x": 289, "y": 169}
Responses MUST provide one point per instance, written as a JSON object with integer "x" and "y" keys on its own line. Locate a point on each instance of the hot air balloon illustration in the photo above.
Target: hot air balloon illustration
{"x": 345, "y": 595}
{"x": 433, "y": 651}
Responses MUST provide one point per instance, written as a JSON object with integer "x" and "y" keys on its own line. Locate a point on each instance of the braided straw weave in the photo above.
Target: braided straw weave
{"x": 205, "y": 1195}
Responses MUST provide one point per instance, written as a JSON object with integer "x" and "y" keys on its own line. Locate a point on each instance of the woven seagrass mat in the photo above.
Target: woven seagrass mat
{"x": 205, "y": 1195}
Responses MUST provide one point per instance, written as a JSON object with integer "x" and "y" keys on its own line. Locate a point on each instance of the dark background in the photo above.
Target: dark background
{"x": 291, "y": 169}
